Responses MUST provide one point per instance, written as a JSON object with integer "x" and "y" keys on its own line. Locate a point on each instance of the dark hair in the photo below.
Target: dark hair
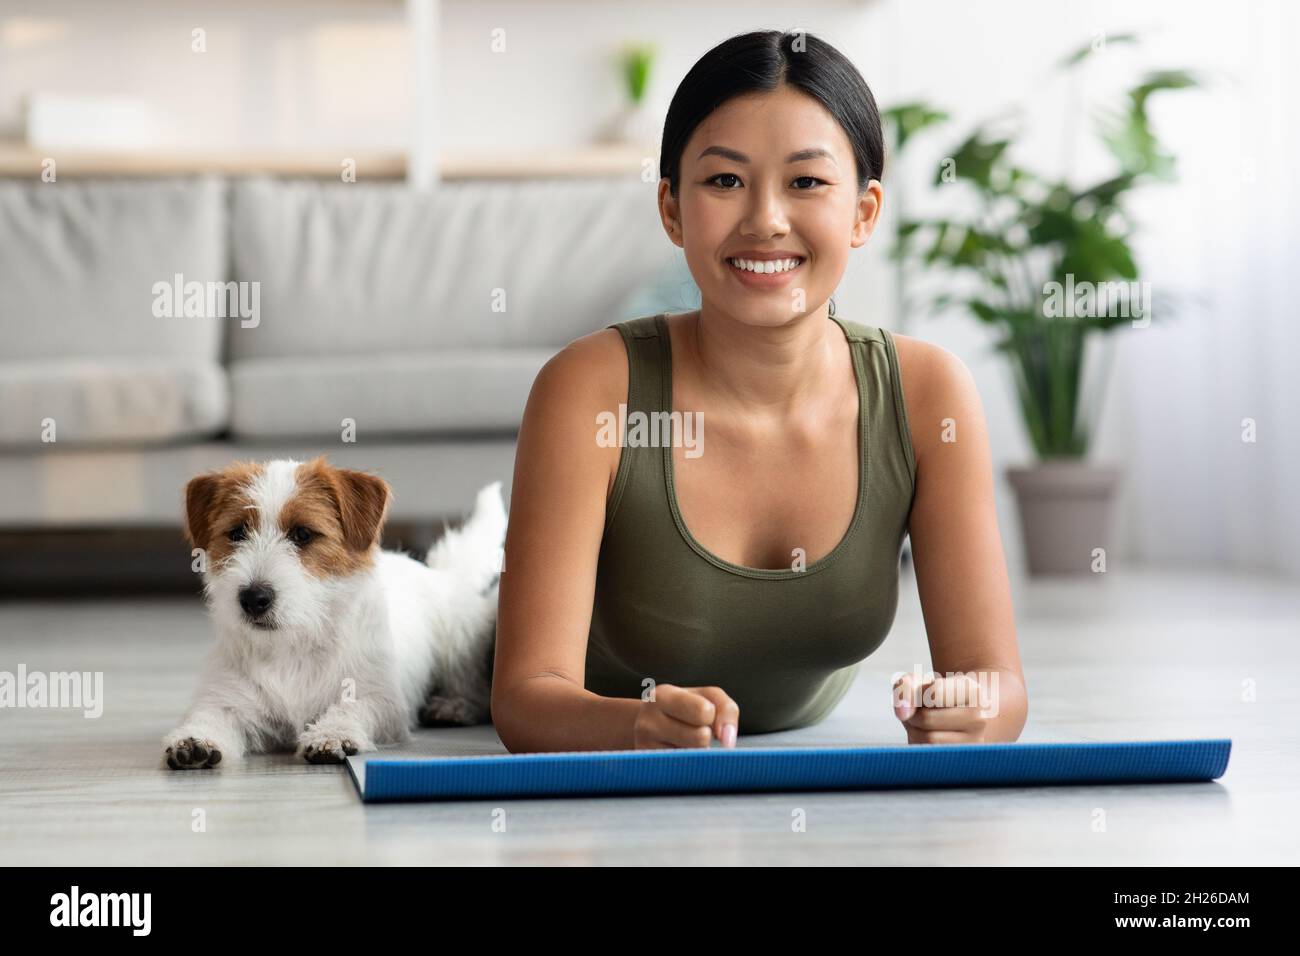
{"x": 760, "y": 62}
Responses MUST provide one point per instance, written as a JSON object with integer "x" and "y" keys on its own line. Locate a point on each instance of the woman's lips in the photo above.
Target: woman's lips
{"x": 765, "y": 280}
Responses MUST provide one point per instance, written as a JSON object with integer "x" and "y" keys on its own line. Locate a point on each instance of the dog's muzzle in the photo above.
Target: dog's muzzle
{"x": 256, "y": 600}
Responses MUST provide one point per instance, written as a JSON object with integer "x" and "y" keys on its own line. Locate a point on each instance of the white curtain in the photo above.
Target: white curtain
{"x": 1227, "y": 240}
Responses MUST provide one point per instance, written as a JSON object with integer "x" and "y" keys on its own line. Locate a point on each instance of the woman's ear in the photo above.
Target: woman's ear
{"x": 870, "y": 202}
{"x": 670, "y": 212}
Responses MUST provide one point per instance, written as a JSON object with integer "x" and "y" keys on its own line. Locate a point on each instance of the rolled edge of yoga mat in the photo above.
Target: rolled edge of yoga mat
{"x": 756, "y": 769}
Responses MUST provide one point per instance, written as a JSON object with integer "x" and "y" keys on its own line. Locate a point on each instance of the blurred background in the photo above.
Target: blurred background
{"x": 359, "y": 227}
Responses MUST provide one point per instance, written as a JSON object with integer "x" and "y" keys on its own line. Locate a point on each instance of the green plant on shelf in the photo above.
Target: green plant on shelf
{"x": 636, "y": 60}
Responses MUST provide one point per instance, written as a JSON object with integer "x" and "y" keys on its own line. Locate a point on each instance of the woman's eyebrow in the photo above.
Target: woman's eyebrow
{"x": 815, "y": 152}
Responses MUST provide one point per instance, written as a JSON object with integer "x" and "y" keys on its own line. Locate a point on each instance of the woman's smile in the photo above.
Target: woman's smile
{"x": 764, "y": 273}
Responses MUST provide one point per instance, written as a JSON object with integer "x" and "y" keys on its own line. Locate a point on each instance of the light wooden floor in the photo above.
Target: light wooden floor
{"x": 1133, "y": 656}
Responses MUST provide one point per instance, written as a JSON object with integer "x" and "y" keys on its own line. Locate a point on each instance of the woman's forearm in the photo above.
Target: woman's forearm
{"x": 551, "y": 713}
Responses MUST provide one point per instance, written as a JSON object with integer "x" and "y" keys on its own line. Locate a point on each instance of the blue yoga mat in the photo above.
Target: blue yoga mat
{"x": 750, "y": 769}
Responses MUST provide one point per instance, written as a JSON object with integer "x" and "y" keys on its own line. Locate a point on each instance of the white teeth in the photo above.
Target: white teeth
{"x": 765, "y": 265}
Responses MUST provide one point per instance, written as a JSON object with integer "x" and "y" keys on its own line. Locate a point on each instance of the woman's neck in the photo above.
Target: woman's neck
{"x": 768, "y": 371}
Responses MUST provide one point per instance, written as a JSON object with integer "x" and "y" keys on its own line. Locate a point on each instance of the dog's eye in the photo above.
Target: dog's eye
{"x": 300, "y": 535}
{"x": 237, "y": 533}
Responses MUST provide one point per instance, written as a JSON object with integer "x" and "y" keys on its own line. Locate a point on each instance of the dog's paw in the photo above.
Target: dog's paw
{"x": 325, "y": 749}
{"x": 192, "y": 753}
{"x": 448, "y": 711}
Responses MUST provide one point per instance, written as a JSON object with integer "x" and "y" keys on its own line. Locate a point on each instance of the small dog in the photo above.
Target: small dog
{"x": 326, "y": 643}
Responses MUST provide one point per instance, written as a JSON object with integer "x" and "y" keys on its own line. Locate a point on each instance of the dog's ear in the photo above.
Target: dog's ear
{"x": 363, "y": 505}
{"x": 200, "y": 495}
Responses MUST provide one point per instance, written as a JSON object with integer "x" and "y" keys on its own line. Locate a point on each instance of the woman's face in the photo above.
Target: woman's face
{"x": 768, "y": 176}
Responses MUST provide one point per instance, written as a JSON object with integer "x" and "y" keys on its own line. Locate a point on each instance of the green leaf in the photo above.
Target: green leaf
{"x": 1127, "y": 134}
{"x": 1083, "y": 52}
{"x": 908, "y": 119}
{"x": 1161, "y": 80}
{"x": 936, "y": 248}
{"x": 1107, "y": 193}
{"x": 636, "y": 61}
{"x": 976, "y": 159}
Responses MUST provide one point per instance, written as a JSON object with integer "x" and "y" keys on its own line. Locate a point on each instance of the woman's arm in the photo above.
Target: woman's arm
{"x": 557, "y": 516}
{"x": 957, "y": 549}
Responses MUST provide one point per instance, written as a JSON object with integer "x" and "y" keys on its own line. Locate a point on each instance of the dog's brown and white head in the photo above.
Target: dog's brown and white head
{"x": 283, "y": 539}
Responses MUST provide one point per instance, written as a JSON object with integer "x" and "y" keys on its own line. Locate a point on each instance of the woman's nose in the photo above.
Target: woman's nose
{"x": 765, "y": 215}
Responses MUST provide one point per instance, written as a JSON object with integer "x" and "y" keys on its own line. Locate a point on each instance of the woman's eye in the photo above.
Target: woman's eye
{"x": 300, "y": 535}
{"x": 237, "y": 533}
{"x": 812, "y": 181}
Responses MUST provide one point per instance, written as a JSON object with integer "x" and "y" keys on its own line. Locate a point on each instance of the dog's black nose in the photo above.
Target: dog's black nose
{"x": 256, "y": 600}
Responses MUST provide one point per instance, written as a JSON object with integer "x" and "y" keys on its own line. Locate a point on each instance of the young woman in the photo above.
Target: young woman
{"x": 660, "y": 592}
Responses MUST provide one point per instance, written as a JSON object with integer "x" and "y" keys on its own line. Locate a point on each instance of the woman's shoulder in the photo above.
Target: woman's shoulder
{"x": 596, "y": 364}
{"x": 936, "y": 384}
{"x": 926, "y": 367}
{"x": 584, "y": 380}
{"x": 591, "y": 366}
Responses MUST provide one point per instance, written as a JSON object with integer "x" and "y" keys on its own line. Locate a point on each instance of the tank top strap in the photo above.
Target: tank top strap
{"x": 647, "y": 393}
{"x": 881, "y": 390}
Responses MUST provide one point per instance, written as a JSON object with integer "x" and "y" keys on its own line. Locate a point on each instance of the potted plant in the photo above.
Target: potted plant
{"x": 1048, "y": 266}
{"x": 638, "y": 124}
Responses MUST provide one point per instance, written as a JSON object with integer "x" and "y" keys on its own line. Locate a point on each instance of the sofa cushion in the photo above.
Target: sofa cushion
{"x": 105, "y": 400}
{"x": 81, "y": 260}
{"x": 406, "y": 393}
{"x": 355, "y": 268}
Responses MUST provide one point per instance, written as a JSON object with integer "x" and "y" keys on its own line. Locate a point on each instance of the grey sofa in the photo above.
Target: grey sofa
{"x": 421, "y": 319}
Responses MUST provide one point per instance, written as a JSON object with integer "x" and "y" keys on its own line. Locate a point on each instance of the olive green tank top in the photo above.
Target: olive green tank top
{"x": 785, "y": 644}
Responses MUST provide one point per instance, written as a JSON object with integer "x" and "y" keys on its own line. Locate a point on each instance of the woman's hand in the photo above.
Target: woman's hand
{"x": 686, "y": 717}
{"x": 942, "y": 710}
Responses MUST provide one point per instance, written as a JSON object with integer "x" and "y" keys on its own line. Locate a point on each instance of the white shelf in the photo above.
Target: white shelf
{"x": 20, "y": 161}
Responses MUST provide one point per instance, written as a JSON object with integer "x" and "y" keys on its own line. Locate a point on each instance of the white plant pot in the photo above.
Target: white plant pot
{"x": 638, "y": 124}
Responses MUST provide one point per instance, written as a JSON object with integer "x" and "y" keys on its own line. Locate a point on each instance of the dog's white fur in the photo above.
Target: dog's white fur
{"x": 352, "y": 659}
